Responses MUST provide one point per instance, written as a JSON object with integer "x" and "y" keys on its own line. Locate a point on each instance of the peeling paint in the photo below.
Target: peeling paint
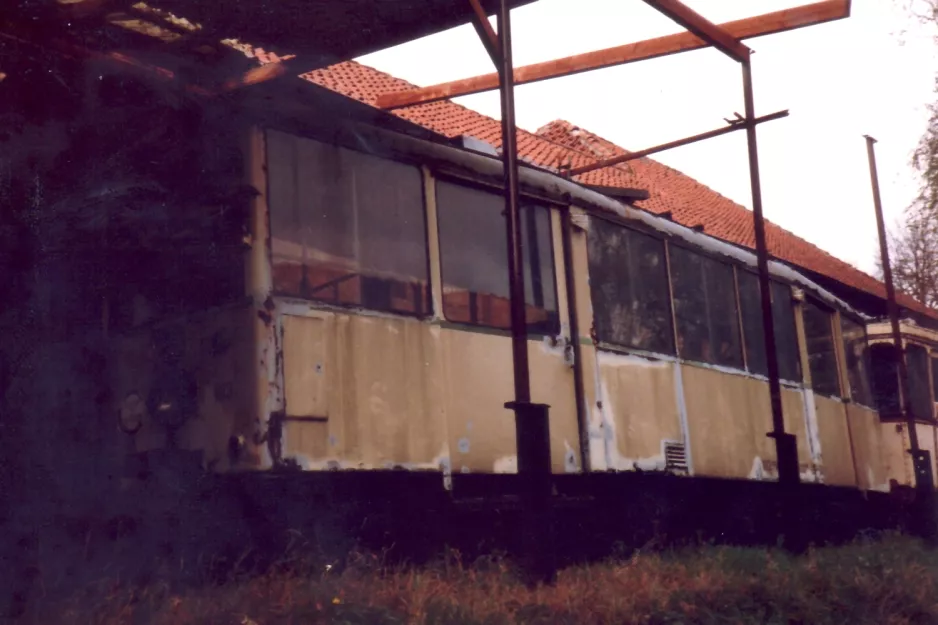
{"x": 682, "y": 416}
{"x": 758, "y": 471}
{"x": 814, "y": 433}
{"x": 569, "y": 459}
{"x": 508, "y": 464}
{"x": 463, "y": 445}
{"x": 607, "y": 358}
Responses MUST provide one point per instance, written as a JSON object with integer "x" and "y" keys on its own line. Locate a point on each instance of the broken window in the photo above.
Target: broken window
{"x": 856, "y": 352}
{"x": 474, "y": 259}
{"x": 347, "y": 228}
{"x": 822, "y": 356}
{"x": 705, "y": 308}
{"x": 919, "y": 391}
{"x": 629, "y": 288}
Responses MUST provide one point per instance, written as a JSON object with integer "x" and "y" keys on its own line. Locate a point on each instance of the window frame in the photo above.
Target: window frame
{"x": 554, "y": 323}
{"x": 871, "y": 401}
{"x": 726, "y": 261}
{"x": 838, "y": 358}
{"x": 385, "y": 155}
{"x": 927, "y": 357}
{"x": 640, "y": 229}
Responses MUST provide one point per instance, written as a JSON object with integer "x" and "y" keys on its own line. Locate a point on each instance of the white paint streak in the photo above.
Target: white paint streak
{"x": 757, "y": 472}
{"x": 682, "y": 415}
{"x": 570, "y": 459}
{"x": 814, "y": 434}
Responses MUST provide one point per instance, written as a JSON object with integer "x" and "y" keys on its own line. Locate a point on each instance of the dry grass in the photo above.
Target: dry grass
{"x": 893, "y": 581}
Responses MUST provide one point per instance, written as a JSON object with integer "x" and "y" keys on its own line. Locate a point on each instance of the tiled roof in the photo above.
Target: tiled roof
{"x": 560, "y": 143}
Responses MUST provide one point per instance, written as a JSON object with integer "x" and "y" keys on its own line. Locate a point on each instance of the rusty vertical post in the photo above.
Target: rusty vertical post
{"x": 785, "y": 444}
{"x": 532, "y": 430}
{"x": 921, "y": 459}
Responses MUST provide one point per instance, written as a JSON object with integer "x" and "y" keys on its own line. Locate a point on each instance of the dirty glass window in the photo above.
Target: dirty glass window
{"x": 705, "y": 308}
{"x": 347, "y": 228}
{"x": 629, "y": 288}
{"x": 786, "y": 335}
{"x": 783, "y": 318}
{"x": 822, "y": 357}
{"x": 934, "y": 378}
{"x": 857, "y": 354}
{"x": 884, "y": 378}
{"x": 474, "y": 259}
{"x": 919, "y": 391}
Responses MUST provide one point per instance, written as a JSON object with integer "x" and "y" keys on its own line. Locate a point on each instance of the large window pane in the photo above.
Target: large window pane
{"x": 917, "y": 358}
{"x": 822, "y": 357}
{"x": 856, "y": 351}
{"x": 750, "y": 300}
{"x": 783, "y": 316}
{"x": 474, "y": 258}
{"x": 629, "y": 287}
{"x": 934, "y": 379}
{"x": 346, "y": 227}
{"x": 884, "y": 376}
{"x": 705, "y": 308}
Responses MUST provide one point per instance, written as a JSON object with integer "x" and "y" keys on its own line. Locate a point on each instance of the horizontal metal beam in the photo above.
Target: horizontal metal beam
{"x": 767, "y": 24}
{"x": 631, "y": 156}
{"x": 703, "y": 28}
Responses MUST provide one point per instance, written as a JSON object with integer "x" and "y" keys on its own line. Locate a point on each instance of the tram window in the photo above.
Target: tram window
{"x": 629, "y": 288}
{"x": 822, "y": 357}
{"x": 917, "y": 359}
{"x": 705, "y": 308}
{"x": 347, "y": 228}
{"x": 474, "y": 259}
{"x": 857, "y": 353}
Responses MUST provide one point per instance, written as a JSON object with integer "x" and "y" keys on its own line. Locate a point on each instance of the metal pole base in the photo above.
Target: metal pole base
{"x": 925, "y": 515}
{"x": 532, "y": 431}
{"x": 786, "y": 450}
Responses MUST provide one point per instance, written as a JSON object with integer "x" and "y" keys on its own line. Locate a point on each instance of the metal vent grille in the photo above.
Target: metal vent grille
{"x": 675, "y": 456}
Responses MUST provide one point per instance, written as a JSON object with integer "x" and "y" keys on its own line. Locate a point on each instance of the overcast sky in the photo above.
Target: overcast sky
{"x": 873, "y": 73}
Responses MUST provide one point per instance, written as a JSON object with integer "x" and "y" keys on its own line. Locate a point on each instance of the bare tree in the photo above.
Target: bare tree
{"x": 914, "y": 240}
{"x": 913, "y": 247}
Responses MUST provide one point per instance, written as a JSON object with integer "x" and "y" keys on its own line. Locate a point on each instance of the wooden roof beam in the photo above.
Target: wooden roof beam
{"x": 480, "y": 22}
{"x": 767, "y": 24}
{"x": 703, "y": 28}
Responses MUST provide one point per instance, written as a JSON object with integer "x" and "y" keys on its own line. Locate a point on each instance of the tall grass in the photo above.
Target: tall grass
{"x": 888, "y": 582}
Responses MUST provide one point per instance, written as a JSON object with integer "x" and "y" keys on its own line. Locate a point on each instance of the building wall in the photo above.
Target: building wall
{"x": 215, "y": 349}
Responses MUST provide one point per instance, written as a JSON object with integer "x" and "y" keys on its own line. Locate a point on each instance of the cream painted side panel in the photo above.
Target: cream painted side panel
{"x": 728, "y": 418}
{"x": 479, "y": 383}
{"x": 895, "y": 448}
{"x": 867, "y": 434}
{"x": 379, "y": 380}
{"x": 835, "y": 442}
{"x": 926, "y": 441}
{"x": 401, "y": 392}
{"x": 305, "y": 379}
{"x": 640, "y": 410}
{"x": 596, "y": 420}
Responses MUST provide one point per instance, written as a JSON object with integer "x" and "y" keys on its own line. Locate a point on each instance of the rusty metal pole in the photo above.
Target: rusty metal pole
{"x": 532, "y": 430}
{"x": 921, "y": 459}
{"x": 785, "y": 444}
